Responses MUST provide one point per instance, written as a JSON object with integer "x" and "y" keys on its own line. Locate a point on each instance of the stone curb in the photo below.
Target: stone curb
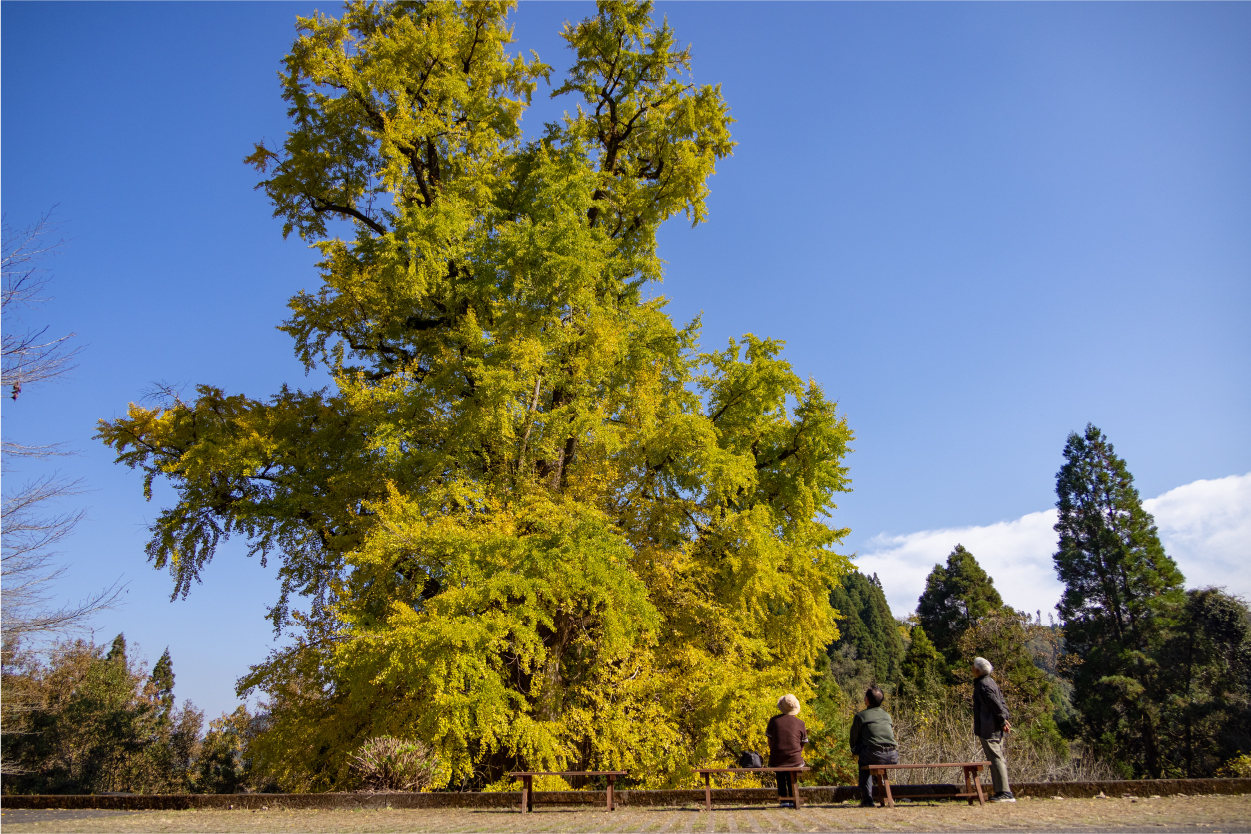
{"x": 593, "y": 799}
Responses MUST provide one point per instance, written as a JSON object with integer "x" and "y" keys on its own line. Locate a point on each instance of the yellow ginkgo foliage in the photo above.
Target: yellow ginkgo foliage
{"x": 534, "y": 527}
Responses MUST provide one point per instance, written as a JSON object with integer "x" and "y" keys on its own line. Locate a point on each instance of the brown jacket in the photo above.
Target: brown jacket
{"x": 787, "y": 737}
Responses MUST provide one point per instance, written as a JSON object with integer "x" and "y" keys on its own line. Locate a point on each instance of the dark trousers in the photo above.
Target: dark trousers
{"x": 866, "y": 779}
{"x": 784, "y": 784}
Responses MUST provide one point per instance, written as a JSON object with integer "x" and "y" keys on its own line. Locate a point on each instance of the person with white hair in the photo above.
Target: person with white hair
{"x": 991, "y": 726}
{"x": 787, "y": 737}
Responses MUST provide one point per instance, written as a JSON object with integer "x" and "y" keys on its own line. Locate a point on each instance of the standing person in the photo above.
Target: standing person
{"x": 872, "y": 740}
{"x": 787, "y": 737}
{"x": 991, "y": 726}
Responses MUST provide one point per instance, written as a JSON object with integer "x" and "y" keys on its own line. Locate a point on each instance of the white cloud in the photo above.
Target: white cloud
{"x": 1205, "y": 526}
{"x": 1017, "y": 554}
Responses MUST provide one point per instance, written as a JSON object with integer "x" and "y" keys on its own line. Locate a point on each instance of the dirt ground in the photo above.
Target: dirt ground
{"x": 1213, "y": 814}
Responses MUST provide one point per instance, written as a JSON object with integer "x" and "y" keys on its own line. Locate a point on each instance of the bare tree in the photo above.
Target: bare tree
{"x": 30, "y": 526}
{"x": 28, "y": 536}
{"x": 29, "y": 355}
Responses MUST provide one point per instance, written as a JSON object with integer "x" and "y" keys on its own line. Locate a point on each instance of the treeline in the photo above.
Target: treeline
{"x": 1139, "y": 678}
{"x": 924, "y": 663}
{"x": 80, "y": 719}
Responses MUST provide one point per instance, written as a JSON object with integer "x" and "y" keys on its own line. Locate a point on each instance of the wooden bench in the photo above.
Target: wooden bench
{"x": 794, "y": 771}
{"x": 972, "y": 787}
{"x": 527, "y": 783}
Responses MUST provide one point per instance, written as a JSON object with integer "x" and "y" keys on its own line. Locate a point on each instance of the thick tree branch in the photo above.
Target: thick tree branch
{"x": 326, "y": 205}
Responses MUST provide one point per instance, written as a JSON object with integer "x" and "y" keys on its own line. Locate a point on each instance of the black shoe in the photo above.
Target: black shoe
{"x": 786, "y": 804}
{"x": 868, "y": 804}
{"x": 1005, "y": 796}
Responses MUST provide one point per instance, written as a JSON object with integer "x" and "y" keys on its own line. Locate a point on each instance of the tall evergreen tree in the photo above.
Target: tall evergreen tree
{"x": 1122, "y": 594}
{"x": 955, "y": 597}
{"x": 118, "y": 650}
{"x": 967, "y": 618}
{"x": 922, "y": 672}
{"x": 161, "y": 684}
{"x": 867, "y": 623}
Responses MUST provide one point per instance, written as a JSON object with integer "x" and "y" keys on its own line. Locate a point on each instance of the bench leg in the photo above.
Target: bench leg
{"x": 611, "y": 779}
{"x": 977, "y": 783}
{"x": 708, "y": 791}
{"x": 888, "y": 801}
{"x": 968, "y": 785}
{"x": 525, "y": 793}
{"x": 795, "y": 788}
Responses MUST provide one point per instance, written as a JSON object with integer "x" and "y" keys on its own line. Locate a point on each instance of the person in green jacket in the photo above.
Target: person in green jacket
{"x": 872, "y": 740}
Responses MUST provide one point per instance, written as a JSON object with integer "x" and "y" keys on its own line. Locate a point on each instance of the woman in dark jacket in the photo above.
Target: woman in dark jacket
{"x": 787, "y": 737}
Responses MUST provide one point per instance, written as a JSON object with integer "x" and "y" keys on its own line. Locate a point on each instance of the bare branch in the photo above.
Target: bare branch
{"x": 28, "y": 531}
{"x": 21, "y": 450}
{"x": 27, "y": 535}
{"x": 28, "y": 356}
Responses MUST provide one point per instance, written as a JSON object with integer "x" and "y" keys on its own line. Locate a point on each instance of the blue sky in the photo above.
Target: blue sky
{"x": 978, "y": 226}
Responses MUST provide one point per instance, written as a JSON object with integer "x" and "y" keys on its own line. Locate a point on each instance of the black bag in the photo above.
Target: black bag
{"x": 750, "y": 758}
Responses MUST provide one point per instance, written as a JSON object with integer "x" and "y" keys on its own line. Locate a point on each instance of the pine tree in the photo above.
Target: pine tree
{"x": 1122, "y": 596}
{"x": 118, "y": 650}
{"x": 867, "y": 624}
{"x": 161, "y": 684}
{"x": 955, "y": 597}
{"x": 964, "y": 614}
{"x": 922, "y": 673}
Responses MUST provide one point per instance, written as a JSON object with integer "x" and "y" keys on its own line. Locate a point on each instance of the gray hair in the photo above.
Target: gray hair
{"x": 982, "y": 665}
{"x": 788, "y": 704}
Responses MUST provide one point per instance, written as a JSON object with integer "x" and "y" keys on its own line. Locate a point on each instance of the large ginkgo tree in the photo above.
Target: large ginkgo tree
{"x": 529, "y": 523}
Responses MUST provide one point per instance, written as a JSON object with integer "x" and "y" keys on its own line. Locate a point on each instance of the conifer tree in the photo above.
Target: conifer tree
{"x": 961, "y": 606}
{"x": 956, "y": 596}
{"x": 118, "y": 650}
{"x": 1122, "y": 596}
{"x": 161, "y": 684}
{"x": 535, "y": 526}
{"x": 866, "y": 622}
{"x": 922, "y": 673}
